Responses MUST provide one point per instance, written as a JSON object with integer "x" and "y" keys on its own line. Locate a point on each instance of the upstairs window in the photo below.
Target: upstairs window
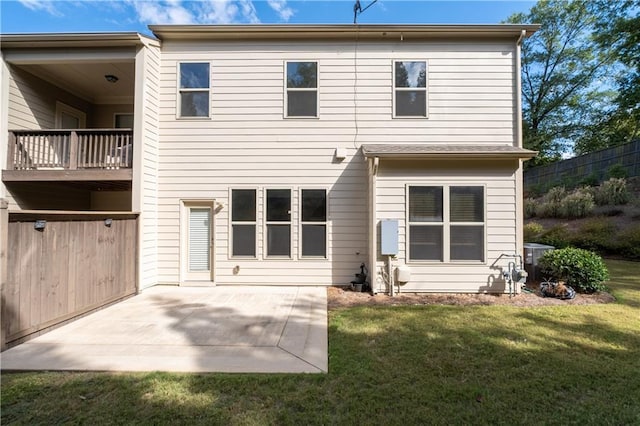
{"x": 302, "y": 89}
{"x": 194, "y": 89}
{"x": 410, "y": 88}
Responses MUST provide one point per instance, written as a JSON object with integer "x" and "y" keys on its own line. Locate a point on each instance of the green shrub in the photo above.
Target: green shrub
{"x": 529, "y": 208}
{"x": 598, "y": 234}
{"x": 549, "y": 204}
{"x": 590, "y": 180}
{"x": 629, "y": 243}
{"x": 557, "y": 236}
{"x": 582, "y": 269}
{"x": 577, "y": 204}
{"x": 617, "y": 171}
{"x": 612, "y": 192}
{"x": 532, "y": 231}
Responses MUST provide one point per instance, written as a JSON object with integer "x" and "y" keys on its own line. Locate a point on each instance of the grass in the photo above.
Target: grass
{"x": 391, "y": 365}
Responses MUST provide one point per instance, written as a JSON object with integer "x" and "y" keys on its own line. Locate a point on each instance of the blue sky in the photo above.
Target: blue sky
{"x": 19, "y": 16}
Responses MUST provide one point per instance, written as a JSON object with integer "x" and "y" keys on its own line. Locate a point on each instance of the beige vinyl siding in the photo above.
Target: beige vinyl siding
{"x": 148, "y": 163}
{"x": 103, "y": 116}
{"x": 498, "y": 178}
{"x": 247, "y": 142}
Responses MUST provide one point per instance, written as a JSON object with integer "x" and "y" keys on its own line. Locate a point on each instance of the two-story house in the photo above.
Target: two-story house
{"x": 279, "y": 155}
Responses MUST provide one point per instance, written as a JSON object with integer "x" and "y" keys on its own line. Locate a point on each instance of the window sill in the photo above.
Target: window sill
{"x": 301, "y": 117}
{"x": 194, "y": 118}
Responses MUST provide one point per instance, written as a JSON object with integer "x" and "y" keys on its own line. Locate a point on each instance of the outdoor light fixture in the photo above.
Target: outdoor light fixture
{"x": 108, "y": 222}
{"x": 111, "y": 78}
{"x": 39, "y": 225}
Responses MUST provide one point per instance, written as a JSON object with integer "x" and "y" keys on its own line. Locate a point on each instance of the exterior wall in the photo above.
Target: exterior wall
{"x": 501, "y": 203}
{"x": 32, "y": 101}
{"x": 103, "y": 116}
{"x": 248, "y": 144}
{"x": 145, "y": 181}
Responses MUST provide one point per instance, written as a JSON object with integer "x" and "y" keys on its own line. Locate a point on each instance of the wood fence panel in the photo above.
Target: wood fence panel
{"x": 76, "y": 264}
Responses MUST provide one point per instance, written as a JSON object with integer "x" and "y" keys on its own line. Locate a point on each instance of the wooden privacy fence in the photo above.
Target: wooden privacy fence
{"x": 596, "y": 163}
{"x": 70, "y": 149}
{"x": 62, "y": 264}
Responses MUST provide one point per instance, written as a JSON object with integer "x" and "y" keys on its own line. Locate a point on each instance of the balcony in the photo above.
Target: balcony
{"x": 76, "y": 155}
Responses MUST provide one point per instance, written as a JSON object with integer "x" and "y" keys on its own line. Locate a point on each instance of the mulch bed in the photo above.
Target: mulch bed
{"x": 341, "y": 297}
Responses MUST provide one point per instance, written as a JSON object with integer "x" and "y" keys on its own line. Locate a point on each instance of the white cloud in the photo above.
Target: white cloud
{"x": 46, "y": 5}
{"x": 195, "y": 12}
{"x": 281, "y": 8}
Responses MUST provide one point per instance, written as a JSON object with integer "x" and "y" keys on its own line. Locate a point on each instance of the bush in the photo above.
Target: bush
{"x": 612, "y": 192}
{"x": 549, "y": 205}
{"x": 532, "y": 231}
{"x": 577, "y": 204}
{"x": 582, "y": 269}
{"x": 557, "y": 236}
{"x": 597, "y": 234}
{"x": 617, "y": 171}
{"x": 529, "y": 208}
{"x": 590, "y": 180}
{"x": 629, "y": 243}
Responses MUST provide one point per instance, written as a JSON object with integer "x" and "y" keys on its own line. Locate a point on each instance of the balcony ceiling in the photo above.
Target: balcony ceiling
{"x": 87, "y": 80}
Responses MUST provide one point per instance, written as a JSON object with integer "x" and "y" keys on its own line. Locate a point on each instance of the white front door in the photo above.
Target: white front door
{"x": 197, "y": 243}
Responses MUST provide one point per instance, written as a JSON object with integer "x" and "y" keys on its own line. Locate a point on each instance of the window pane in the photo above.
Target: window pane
{"x": 314, "y": 240}
{"x": 425, "y": 204}
{"x": 278, "y": 205}
{"x": 199, "y": 237}
{"x": 411, "y": 103}
{"x": 194, "y": 76}
{"x": 244, "y": 240}
{"x": 411, "y": 74}
{"x": 243, "y": 205}
{"x": 302, "y": 75}
{"x": 466, "y": 204}
{"x": 302, "y": 103}
{"x": 194, "y": 104}
{"x": 425, "y": 242}
{"x": 314, "y": 205}
{"x": 467, "y": 242}
{"x": 278, "y": 240}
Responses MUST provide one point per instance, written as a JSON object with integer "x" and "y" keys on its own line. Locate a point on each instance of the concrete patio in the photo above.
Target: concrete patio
{"x": 190, "y": 329}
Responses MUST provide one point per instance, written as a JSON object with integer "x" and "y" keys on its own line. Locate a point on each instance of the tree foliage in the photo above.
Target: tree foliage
{"x": 580, "y": 78}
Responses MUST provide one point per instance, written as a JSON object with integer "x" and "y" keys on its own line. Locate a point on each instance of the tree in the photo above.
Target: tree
{"x": 560, "y": 65}
{"x": 618, "y": 31}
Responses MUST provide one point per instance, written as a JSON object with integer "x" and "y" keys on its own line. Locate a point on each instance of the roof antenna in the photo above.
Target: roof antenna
{"x": 357, "y": 10}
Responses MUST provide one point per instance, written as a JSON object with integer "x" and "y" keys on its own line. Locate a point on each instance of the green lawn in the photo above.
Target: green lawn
{"x": 391, "y": 365}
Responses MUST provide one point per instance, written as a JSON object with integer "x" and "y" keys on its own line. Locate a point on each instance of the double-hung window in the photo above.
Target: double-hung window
{"x": 278, "y": 221}
{"x": 243, "y": 222}
{"x": 446, "y": 223}
{"x": 194, "y": 89}
{"x": 410, "y": 88}
{"x": 314, "y": 222}
{"x": 301, "y": 98}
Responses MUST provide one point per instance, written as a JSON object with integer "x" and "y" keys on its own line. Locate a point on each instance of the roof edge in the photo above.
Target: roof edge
{"x": 39, "y": 40}
{"x": 377, "y": 31}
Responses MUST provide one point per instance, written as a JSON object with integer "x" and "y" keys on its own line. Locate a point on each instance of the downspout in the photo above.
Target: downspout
{"x": 519, "y": 177}
{"x": 373, "y": 219}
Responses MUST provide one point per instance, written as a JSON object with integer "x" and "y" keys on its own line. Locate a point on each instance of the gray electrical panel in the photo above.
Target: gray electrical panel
{"x": 389, "y": 237}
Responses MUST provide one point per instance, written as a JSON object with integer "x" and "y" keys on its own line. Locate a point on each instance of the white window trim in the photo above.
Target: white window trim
{"x": 395, "y": 89}
{"x": 325, "y": 223}
{"x": 265, "y": 245}
{"x": 232, "y": 222}
{"x": 446, "y": 225}
{"x": 305, "y": 89}
{"x": 180, "y": 90}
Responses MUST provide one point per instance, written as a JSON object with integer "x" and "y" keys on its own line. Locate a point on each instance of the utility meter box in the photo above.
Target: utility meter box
{"x": 389, "y": 237}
